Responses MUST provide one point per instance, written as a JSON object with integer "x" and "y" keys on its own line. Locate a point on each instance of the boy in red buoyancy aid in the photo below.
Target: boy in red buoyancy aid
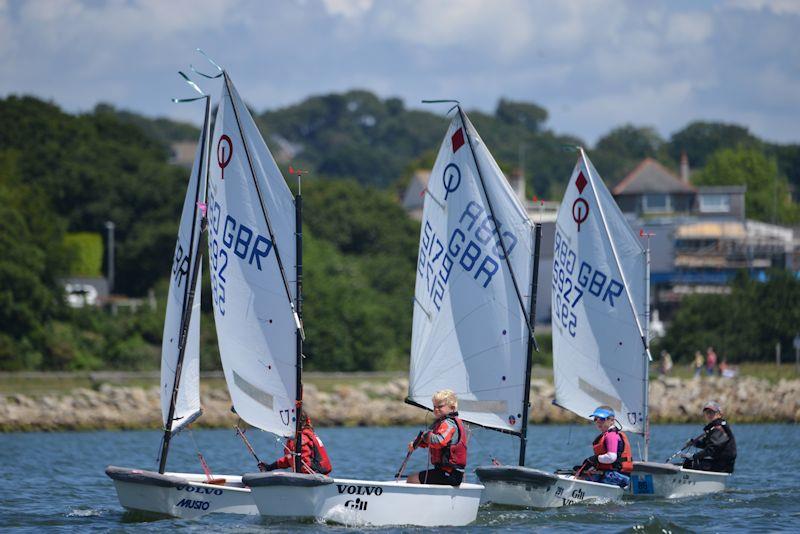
{"x": 313, "y": 457}
{"x": 446, "y": 441}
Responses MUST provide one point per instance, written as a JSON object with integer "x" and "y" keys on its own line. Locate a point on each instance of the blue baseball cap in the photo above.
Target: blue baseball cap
{"x": 602, "y": 413}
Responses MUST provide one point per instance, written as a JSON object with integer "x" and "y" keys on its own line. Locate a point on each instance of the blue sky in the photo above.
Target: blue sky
{"x": 593, "y": 64}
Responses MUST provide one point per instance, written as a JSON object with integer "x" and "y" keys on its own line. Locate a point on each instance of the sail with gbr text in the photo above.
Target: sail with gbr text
{"x": 252, "y": 260}
{"x": 187, "y": 401}
{"x": 470, "y": 325}
{"x": 599, "y": 295}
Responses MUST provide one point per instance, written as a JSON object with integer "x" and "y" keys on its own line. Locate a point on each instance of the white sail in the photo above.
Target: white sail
{"x": 249, "y": 204}
{"x": 187, "y": 405}
{"x": 598, "y": 304}
{"x": 470, "y": 330}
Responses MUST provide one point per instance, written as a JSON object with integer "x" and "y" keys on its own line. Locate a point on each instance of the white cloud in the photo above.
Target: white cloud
{"x": 594, "y": 63}
{"x": 349, "y": 9}
{"x": 779, "y": 7}
{"x": 689, "y": 28}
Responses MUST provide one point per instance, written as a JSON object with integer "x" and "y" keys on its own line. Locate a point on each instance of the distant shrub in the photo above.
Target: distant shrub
{"x": 86, "y": 253}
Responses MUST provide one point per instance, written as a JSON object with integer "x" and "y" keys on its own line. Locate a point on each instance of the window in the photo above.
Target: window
{"x": 656, "y": 203}
{"x": 715, "y": 203}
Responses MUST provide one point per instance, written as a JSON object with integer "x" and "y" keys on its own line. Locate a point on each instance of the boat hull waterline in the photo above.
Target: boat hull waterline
{"x": 668, "y": 481}
{"x": 183, "y": 495}
{"x": 533, "y": 488}
{"x": 363, "y": 502}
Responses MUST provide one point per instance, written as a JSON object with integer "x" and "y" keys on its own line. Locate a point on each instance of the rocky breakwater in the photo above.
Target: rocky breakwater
{"x": 380, "y": 403}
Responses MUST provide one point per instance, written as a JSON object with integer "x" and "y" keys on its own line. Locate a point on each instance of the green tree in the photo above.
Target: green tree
{"x": 359, "y": 267}
{"x": 619, "y": 151}
{"x": 701, "y": 139}
{"x": 529, "y": 116}
{"x": 768, "y": 197}
{"x": 32, "y": 241}
{"x": 742, "y": 326}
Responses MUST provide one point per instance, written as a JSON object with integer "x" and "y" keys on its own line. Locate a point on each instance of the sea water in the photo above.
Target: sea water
{"x": 56, "y": 480}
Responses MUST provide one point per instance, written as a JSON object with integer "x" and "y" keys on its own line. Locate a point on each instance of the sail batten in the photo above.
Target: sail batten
{"x": 470, "y": 325}
{"x": 598, "y": 295}
{"x": 251, "y": 240}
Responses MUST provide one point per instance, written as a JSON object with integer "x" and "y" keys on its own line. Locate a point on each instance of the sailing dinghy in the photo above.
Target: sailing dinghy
{"x": 255, "y": 237}
{"x": 475, "y": 289}
{"x": 599, "y": 354}
{"x": 183, "y": 495}
{"x": 601, "y": 318}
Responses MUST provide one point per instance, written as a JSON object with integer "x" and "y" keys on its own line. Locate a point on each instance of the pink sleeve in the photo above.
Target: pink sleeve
{"x": 612, "y": 442}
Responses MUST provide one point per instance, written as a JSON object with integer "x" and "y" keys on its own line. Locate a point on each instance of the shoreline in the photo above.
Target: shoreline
{"x": 377, "y": 400}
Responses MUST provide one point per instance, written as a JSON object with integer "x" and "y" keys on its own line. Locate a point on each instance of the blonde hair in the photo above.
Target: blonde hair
{"x": 447, "y": 396}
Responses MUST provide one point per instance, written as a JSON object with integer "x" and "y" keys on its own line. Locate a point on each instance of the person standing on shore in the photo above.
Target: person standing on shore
{"x": 698, "y": 363}
{"x": 717, "y": 444}
{"x": 446, "y": 442}
{"x": 711, "y": 361}
{"x": 666, "y": 363}
{"x": 313, "y": 456}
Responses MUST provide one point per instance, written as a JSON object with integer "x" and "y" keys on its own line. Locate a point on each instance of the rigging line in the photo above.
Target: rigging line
{"x": 491, "y": 210}
{"x": 228, "y": 84}
{"x": 613, "y": 247}
{"x": 296, "y": 455}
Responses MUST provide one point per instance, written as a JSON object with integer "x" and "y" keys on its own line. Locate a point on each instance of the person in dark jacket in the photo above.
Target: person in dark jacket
{"x": 717, "y": 444}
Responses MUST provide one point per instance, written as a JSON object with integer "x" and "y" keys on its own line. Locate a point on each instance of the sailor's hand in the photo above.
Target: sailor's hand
{"x": 412, "y": 445}
{"x": 264, "y": 467}
{"x": 419, "y": 439}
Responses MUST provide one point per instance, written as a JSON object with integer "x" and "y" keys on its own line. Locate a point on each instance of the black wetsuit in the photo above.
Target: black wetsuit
{"x": 717, "y": 448}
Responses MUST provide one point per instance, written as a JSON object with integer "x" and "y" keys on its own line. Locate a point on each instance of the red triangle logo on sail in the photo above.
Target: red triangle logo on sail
{"x": 458, "y": 139}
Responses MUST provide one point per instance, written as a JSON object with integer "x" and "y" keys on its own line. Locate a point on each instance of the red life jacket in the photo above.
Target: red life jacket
{"x": 314, "y": 456}
{"x": 624, "y": 461}
{"x": 454, "y": 455}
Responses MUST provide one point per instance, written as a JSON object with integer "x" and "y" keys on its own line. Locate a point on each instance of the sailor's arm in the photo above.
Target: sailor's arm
{"x": 440, "y": 437}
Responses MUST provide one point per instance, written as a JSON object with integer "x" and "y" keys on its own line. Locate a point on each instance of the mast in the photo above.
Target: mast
{"x": 646, "y": 414}
{"x": 298, "y": 210}
{"x": 188, "y": 299}
{"x": 499, "y": 235}
{"x": 523, "y": 438}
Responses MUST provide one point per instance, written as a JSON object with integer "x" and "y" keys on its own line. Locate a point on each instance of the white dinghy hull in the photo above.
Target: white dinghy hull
{"x": 363, "y": 502}
{"x": 533, "y": 488}
{"x": 668, "y": 481}
{"x": 181, "y": 495}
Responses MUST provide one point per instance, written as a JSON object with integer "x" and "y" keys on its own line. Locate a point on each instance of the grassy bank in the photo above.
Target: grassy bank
{"x": 52, "y": 383}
